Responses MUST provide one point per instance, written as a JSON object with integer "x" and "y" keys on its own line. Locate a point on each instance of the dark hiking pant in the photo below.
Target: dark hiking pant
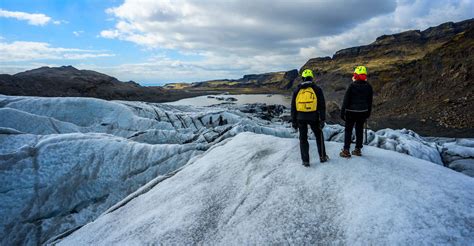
{"x": 356, "y": 119}
{"x": 304, "y": 146}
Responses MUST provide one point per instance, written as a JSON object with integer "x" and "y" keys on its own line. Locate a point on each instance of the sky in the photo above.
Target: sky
{"x": 154, "y": 42}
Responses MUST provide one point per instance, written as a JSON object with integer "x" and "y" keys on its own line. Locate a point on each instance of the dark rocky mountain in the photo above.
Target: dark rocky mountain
{"x": 250, "y": 83}
{"x": 71, "y": 82}
{"x": 435, "y": 90}
{"x": 423, "y": 80}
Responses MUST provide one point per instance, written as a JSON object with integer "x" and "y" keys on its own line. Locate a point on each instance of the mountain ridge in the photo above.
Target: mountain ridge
{"x": 276, "y": 81}
{"x": 438, "y": 33}
{"x": 397, "y": 73}
{"x": 68, "y": 81}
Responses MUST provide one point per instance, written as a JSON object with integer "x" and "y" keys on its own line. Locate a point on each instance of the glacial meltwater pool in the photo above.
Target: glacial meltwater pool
{"x": 241, "y": 99}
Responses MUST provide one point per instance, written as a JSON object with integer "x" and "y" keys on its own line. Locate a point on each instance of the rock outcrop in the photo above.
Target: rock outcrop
{"x": 269, "y": 82}
{"x": 422, "y": 79}
{"x": 71, "y": 82}
{"x": 436, "y": 90}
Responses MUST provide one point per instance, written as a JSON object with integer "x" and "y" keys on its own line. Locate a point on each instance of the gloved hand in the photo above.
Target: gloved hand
{"x": 322, "y": 124}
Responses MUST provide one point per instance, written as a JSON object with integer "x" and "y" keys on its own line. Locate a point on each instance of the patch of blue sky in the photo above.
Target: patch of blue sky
{"x": 77, "y": 25}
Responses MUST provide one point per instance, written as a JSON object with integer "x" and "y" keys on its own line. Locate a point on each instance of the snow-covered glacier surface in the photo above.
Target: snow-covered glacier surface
{"x": 64, "y": 161}
{"x": 458, "y": 154}
{"x": 260, "y": 194}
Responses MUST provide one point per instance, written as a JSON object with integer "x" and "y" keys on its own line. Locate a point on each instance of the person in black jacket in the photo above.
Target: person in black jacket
{"x": 356, "y": 108}
{"x": 314, "y": 117}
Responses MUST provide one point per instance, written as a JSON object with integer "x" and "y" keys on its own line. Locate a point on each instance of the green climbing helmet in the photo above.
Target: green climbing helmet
{"x": 360, "y": 70}
{"x": 307, "y": 73}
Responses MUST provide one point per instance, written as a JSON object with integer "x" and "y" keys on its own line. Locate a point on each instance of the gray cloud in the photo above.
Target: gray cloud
{"x": 238, "y": 37}
{"x": 227, "y": 39}
{"x": 409, "y": 15}
{"x": 240, "y": 27}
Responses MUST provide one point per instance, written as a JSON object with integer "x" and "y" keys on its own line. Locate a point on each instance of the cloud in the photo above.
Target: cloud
{"x": 252, "y": 36}
{"x": 258, "y": 36}
{"x": 32, "y": 19}
{"x": 29, "y": 51}
{"x": 409, "y": 15}
{"x": 162, "y": 69}
{"x": 13, "y": 68}
{"x": 227, "y": 39}
{"x": 238, "y": 27}
{"x": 78, "y": 33}
{"x": 59, "y": 22}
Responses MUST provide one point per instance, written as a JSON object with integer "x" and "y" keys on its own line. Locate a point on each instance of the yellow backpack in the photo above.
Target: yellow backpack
{"x": 306, "y": 100}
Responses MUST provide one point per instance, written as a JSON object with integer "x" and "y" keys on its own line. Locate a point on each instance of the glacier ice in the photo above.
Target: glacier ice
{"x": 402, "y": 141}
{"x": 64, "y": 161}
{"x": 260, "y": 194}
{"x": 63, "y": 180}
{"x": 459, "y": 155}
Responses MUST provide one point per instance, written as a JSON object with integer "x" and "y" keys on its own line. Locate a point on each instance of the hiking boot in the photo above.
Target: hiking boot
{"x": 345, "y": 153}
{"x": 323, "y": 158}
{"x": 357, "y": 152}
{"x": 306, "y": 164}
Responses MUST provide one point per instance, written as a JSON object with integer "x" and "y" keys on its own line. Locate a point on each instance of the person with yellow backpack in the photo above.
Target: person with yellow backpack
{"x": 308, "y": 107}
{"x": 355, "y": 110}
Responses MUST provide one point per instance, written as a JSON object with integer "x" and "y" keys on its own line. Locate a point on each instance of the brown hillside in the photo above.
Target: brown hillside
{"x": 423, "y": 80}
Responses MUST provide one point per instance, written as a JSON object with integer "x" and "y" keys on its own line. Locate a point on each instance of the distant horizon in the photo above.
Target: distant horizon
{"x": 160, "y": 42}
{"x": 147, "y": 83}
{"x": 151, "y": 83}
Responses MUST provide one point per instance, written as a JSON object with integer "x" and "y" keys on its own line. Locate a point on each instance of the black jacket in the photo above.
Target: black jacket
{"x": 319, "y": 114}
{"x": 358, "y": 98}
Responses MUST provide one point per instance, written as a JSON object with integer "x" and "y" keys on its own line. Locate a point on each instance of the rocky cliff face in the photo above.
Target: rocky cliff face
{"x": 281, "y": 80}
{"x": 435, "y": 90}
{"x": 398, "y": 44}
{"x": 272, "y": 81}
{"x": 422, "y": 79}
